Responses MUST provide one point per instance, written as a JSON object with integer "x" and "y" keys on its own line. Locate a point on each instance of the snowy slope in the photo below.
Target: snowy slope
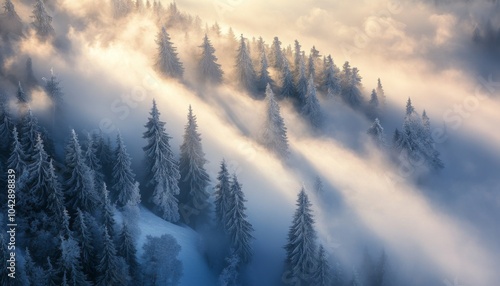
{"x": 195, "y": 269}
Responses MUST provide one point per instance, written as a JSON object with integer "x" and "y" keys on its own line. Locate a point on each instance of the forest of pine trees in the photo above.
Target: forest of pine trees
{"x": 69, "y": 203}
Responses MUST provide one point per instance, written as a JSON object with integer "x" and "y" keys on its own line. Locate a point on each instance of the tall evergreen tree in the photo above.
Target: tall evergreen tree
{"x": 6, "y": 128}
{"x": 42, "y": 22}
{"x": 301, "y": 248}
{"x": 161, "y": 167}
{"x": 31, "y": 80}
{"x": 381, "y": 92}
{"x": 70, "y": 267}
{"x": 54, "y": 91}
{"x": 322, "y": 275}
{"x": 33, "y": 272}
{"x": 17, "y": 160}
{"x": 274, "y": 133}
{"x": 311, "y": 109}
{"x": 373, "y": 105}
{"x": 331, "y": 80}
{"x": 126, "y": 249}
{"x": 168, "y": 62}
{"x": 110, "y": 272}
{"x": 208, "y": 67}
{"x": 79, "y": 183}
{"x": 237, "y": 225}
{"x": 105, "y": 155}
{"x": 107, "y": 212}
{"x": 125, "y": 187}
{"x": 350, "y": 86}
{"x": 50, "y": 274}
{"x": 311, "y": 66}
{"x": 276, "y": 58}
{"x": 194, "y": 178}
{"x": 297, "y": 57}
{"x": 222, "y": 197}
{"x": 22, "y": 97}
{"x": 264, "y": 76}
{"x": 28, "y": 130}
{"x": 39, "y": 181}
{"x": 93, "y": 161}
{"x": 301, "y": 83}
{"x": 86, "y": 243}
{"x": 376, "y": 131}
{"x": 287, "y": 89}
{"x": 245, "y": 73}
{"x": 55, "y": 197}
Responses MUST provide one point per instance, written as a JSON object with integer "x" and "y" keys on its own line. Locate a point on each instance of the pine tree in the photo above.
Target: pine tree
{"x": 105, "y": 155}
{"x": 161, "y": 265}
{"x": 85, "y": 239}
{"x": 331, "y": 81}
{"x": 79, "y": 184}
{"x": 93, "y": 161}
{"x": 229, "y": 275}
{"x": 380, "y": 92}
{"x": 34, "y": 273}
{"x": 126, "y": 249}
{"x": 373, "y": 105}
{"x": 194, "y": 178}
{"x": 161, "y": 167}
{"x": 22, "y": 98}
{"x": 237, "y": 225}
{"x": 6, "y": 129}
{"x": 41, "y": 20}
{"x": 301, "y": 247}
{"x": 322, "y": 275}
{"x": 350, "y": 86}
{"x": 429, "y": 144}
{"x": 376, "y": 131}
{"x": 107, "y": 212}
{"x": 109, "y": 269}
{"x": 264, "y": 77}
{"x": 301, "y": 83}
{"x": 311, "y": 66}
{"x": 287, "y": 89}
{"x": 208, "y": 67}
{"x": 17, "y": 159}
{"x": 297, "y": 59}
{"x": 31, "y": 80}
{"x": 168, "y": 62}
{"x": 54, "y": 91}
{"x": 29, "y": 130}
{"x": 276, "y": 58}
{"x": 274, "y": 133}
{"x": 311, "y": 109}
{"x": 125, "y": 187}
{"x": 245, "y": 72}
{"x": 222, "y": 196}
{"x": 70, "y": 264}
{"x": 50, "y": 274}
{"x": 318, "y": 186}
{"x": 39, "y": 180}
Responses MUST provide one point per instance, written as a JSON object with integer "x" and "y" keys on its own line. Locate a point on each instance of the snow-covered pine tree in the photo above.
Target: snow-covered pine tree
{"x": 41, "y": 20}
{"x": 373, "y": 105}
{"x": 350, "y": 86}
{"x": 105, "y": 155}
{"x": 311, "y": 66}
{"x": 208, "y": 68}
{"x": 322, "y": 275}
{"x": 33, "y": 272}
{"x": 264, "y": 76}
{"x": 230, "y": 274}
{"x": 70, "y": 266}
{"x": 194, "y": 178}
{"x": 93, "y": 161}
{"x": 109, "y": 266}
{"x": 161, "y": 265}
{"x": 6, "y": 128}
{"x": 39, "y": 181}
{"x": 331, "y": 80}
{"x": 429, "y": 144}
{"x": 245, "y": 72}
{"x": 22, "y": 97}
{"x": 301, "y": 83}
{"x": 107, "y": 212}
{"x": 276, "y": 57}
{"x": 79, "y": 184}
{"x": 380, "y": 92}
{"x": 297, "y": 57}
{"x": 17, "y": 160}
{"x": 167, "y": 61}
{"x": 28, "y": 130}
{"x": 85, "y": 241}
{"x": 287, "y": 89}
{"x": 54, "y": 91}
{"x": 31, "y": 80}
{"x": 125, "y": 187}
{"x": 161, "y": 168}
{"x": 376, "y": 131}
{"x": 274, "y": 131}
{"x": 222, "y": 197}
{"x": 126, "y": 248}
{"x": 50, "y": 274}
{"x": 237, "y": 225}
{"x": 311, "y": 109}
{"x": 55, "y": 198}
{"x": 318, "y": 186}
{"x": 301, "y": 247}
